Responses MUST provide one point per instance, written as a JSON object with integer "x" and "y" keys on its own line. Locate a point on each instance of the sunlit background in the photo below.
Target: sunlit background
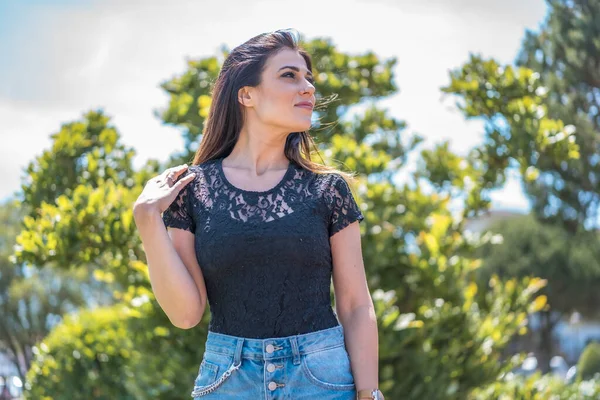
{"x": 479, "y": 305}
{"x": 63, "y": 57}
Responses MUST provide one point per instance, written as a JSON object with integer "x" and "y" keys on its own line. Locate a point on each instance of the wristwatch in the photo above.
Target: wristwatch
{"x": 369, "y": 394}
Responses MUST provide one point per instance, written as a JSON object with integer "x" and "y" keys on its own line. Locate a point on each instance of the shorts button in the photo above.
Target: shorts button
{"x": 270, "y": 348}
{"x": 272, "y": 386}
{"x": 271, "y": 367}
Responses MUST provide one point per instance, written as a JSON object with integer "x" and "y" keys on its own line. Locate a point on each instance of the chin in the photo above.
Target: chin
{"x": 302, "y": 126}
{"x": 296, "y": 124}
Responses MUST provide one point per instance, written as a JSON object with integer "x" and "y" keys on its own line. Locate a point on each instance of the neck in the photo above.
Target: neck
{"x": 258, "y": 152}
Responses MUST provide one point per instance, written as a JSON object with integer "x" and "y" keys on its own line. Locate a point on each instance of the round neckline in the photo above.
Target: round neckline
{"x": 254, "y": 192}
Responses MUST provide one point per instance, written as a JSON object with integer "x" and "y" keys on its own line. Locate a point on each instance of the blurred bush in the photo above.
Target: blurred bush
{"x": 537, "y": 387}
{"x": 589, "y": 362}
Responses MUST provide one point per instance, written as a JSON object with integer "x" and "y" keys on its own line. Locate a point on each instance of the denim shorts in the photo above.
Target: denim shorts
{"x": 313, "y": 365}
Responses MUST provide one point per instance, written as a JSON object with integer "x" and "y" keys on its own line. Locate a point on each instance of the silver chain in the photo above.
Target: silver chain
{"x": 201, "y": 391}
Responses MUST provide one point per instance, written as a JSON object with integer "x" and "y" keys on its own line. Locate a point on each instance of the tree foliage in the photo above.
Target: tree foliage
{"x": 542, "y": 115}
{"x": 589, "y": 364}
{"x": 569, "y": 263}
{"x": 565, "y": 53}
{"x": 537, "y": 387}
{"x": 441, "y": 332}
{"x": 31, "y": 300}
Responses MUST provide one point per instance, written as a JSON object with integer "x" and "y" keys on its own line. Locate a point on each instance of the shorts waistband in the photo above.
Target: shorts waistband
{"x": 274, "y": 348}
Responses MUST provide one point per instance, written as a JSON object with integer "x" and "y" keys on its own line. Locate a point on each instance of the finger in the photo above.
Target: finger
{"x": 174, "y": 174}
{"x": 182, "y": 182}
{"x": 171, "y": 169}
{"x": 180, "y": 169}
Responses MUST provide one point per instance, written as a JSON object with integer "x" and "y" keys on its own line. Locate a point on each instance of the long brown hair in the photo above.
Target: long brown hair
{"x": 243, "y": 67}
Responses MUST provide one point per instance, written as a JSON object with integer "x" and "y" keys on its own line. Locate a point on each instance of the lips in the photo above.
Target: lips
{"x": 305, "y": 104}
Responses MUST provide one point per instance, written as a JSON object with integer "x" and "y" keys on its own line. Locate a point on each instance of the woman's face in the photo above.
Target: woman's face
{"x": 285, "y": 82}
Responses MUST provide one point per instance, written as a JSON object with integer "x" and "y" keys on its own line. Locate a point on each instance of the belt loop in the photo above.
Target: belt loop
{"x": 237, "y": 358}
{"x": 295, "y": 350}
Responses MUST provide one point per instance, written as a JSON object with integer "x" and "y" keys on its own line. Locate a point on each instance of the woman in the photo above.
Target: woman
{"x": 257, "y": 230}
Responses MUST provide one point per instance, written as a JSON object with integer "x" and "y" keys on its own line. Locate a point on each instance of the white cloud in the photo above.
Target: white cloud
{"x": 511, "y": 196}
{"x": 25, "y": 132}
{"x": 113, "y": 55}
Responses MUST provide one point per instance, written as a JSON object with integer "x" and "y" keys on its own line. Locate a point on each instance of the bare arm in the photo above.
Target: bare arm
{"x": 175, "y": 275}
{"x": 354, "y": 307}
{"x": 177, "y": 290}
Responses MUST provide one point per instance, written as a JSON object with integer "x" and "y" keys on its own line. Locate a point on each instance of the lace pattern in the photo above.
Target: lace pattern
{"x": 265, "y": 255}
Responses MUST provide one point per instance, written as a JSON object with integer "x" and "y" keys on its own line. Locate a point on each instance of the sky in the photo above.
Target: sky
{"x": 61, "y": 58}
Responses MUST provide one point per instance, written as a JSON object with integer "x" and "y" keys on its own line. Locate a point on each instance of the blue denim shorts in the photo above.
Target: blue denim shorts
{"x": 313, "y": 365}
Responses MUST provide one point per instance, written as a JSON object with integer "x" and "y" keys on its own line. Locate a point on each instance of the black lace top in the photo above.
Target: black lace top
{"x": 265, "y": 256}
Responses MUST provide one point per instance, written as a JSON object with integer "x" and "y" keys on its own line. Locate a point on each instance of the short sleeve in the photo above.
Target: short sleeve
{"x": 178, "y": 214}
{"x": 343, "y": 207}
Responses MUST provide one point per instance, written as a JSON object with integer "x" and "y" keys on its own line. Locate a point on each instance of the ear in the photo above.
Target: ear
{"x": 245, "y": 96}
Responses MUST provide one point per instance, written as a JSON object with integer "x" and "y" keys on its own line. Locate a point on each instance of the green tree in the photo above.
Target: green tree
{"x": 32, "y": 301}
{"x": 542, "y": 118}
{"x": 565, "y": 53}
{"x": 569, "y": 263}
{"x": 89, "y": 226}
{"x": 546, "y": 105}
{"x": 85, "y": 152}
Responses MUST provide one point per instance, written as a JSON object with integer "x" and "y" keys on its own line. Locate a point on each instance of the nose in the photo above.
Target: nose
{"x": 309, "y": 88}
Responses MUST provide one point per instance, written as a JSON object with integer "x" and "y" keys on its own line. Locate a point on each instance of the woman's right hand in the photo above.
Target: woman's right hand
{"x": 160, "y": 191}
